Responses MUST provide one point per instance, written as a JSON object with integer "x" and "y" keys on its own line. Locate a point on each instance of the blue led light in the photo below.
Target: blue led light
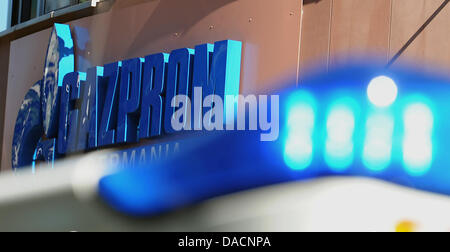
{"x": 340, "y": 130}
{"x": 400, "y": 143}
{"x": 417, "y": 142}
{"x": 339, "y": 155}
{"x": 298, "y": 149}
{"x": 298, "y": 152}
{"x": 378, "y": 141}
{"x": 382, "y": 91}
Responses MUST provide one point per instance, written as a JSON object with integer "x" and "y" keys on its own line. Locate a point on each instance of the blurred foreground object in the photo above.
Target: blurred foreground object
{"x": 353, "y": 121}
{"x": 357, "y": 120}
{"x": 330, "y": 204}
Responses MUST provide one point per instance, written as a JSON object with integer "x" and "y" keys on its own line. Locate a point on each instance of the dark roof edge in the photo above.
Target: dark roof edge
{"x": 59, "y": 16}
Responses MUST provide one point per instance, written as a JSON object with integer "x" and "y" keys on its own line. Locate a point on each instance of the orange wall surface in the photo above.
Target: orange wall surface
{"x": 337, "y": 30}
{"x": 282, "y": 39}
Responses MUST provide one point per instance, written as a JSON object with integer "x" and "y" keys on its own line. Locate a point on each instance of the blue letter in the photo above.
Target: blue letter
{"x": 178, "y": 78}
{"x": 108, "y": 123}
{"x": 218, "y": 74}
{"x": 68, "y": 114}
{"x": 130, "y": 93}
{"x": 201, "y": 76}
{"x": 45, "y": 151}
{"x": 152, "y": 87}
{"x": 93, "y": 100}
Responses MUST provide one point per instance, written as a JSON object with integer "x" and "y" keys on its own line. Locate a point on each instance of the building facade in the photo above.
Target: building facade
{"x": 282, "y": 41}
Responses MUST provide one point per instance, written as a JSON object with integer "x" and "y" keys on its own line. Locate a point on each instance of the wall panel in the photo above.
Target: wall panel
{"x": 4, "y": 63}
{"x": 360, "y": 27}
{"x": 315, "y": 41}
{"x": 431, "y": 48}
{"x": 26, "y": 66}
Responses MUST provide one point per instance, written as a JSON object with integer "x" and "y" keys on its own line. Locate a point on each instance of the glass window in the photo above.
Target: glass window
{"x": 51, "y": 5}
{"x": 28, "y": 10}
{"x": 15, "y": 13}
{"x": 24, "y": 10}
{"x": 4, "y": 7}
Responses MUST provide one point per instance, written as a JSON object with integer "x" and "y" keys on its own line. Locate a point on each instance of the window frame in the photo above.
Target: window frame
{"x": 9, "y": 15}
{"x": 44, "y": 3}
{"x": 40, "y": 11}
{"x": 42, "y": 17}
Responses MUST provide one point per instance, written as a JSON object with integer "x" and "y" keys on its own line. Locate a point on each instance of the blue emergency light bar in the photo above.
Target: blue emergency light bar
{"x": 353, "y": 121}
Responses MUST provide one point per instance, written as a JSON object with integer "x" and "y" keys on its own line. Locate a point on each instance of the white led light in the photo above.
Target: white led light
{"x": 339, "y": 142}
{"x": 382, "y": 91}
{"x": 341, "y": 124}
{"x": 417, "y": 143}
{"x": 299, "y": 145}
{"x": 378, "y": 142}
{"x": 418, "y": 119}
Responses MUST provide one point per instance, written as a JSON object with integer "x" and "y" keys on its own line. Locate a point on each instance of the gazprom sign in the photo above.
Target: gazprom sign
{"x": 119, "y": 103}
